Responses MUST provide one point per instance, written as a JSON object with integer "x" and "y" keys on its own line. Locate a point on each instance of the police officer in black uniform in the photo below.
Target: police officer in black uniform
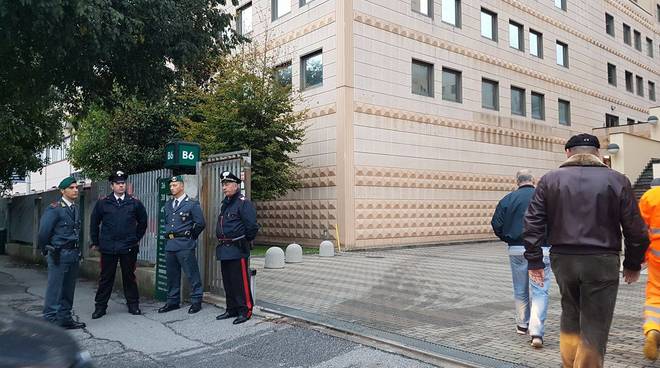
{"x": 123, "y": 222}
{"x": 59, "y": 234}
{"x": 235, "y": 230}
{"x": 184, "y": 222}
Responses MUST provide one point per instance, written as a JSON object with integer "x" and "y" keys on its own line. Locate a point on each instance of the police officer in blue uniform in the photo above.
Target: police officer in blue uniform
{"x": 123, "y": 221}
{"x": 184, "y": 222}
{"x": 235, "y": 230}
{"x": 59, "y": 234}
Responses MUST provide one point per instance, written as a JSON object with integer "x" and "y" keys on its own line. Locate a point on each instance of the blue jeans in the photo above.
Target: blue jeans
{"x": 61, "y": 286}
{"x": 530, "y": 313}
{"x": 186, "y": 260}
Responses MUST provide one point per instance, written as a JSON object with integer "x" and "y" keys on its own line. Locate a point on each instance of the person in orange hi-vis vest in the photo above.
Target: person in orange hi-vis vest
{"x": 649, "y": 206}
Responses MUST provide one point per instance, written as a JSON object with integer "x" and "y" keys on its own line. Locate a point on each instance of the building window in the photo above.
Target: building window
{"x": 451, "y": 85}
{"x": 489, "y": 24}
{"x": 629, "y": 82}
{"x": 611, "y": 74}
{"x": 611, "y": 120}
{"x": 283, "y": 74}
{"x": 609, "y": 24}
{"x": 536, "y": 43}
{"x": 562, "y": 54}
{"x": 516, "y": 38}
{"x": 561, "y": 4}
{"x": 649, "y": 47}
{"x": 640, "y": 86}
{"x": 304, "y": 2}
{"x": 564, "y": 108}
{"x": 538, "y": 106}
{"x": 244, "y": 19}
{"x": 657, "y": 11}
{"x": 517, "y": 101}
{"x": 280, "y": 8}
{"x": 424, "y": 7}
{"x": 311, "y": 70}
{"x": 490, "y": 94}
{"x": 627, "y": 39}
{"x": 422, "y": 78}
{"x": 451, "y": 12}
{"x": 638, "y": 40}
{"x": 630, "y": 121}
{"x": 651, "y": 91}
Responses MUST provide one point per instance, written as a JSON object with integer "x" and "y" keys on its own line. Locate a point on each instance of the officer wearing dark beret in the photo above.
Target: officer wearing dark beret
{"x": 59, "y": 234}
{"x": 236, "y": 228}
{"x": 117, "y": 224}
{"x": 184, "y": 222}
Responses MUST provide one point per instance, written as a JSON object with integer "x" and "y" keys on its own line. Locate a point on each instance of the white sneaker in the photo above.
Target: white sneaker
{"x": 537, "y": 342}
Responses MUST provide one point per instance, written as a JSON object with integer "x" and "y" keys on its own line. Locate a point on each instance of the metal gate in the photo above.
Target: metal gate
{"x": 211, "y": 199}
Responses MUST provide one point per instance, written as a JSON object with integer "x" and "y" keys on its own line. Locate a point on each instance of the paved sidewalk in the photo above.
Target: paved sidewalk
{"x": 458, "y": 298}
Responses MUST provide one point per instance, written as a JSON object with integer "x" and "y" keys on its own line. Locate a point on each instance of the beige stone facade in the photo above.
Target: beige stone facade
{"x": 385, "y": 166}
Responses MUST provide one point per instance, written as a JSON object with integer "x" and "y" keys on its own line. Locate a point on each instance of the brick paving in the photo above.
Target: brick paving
{"x": 458, "y": 296}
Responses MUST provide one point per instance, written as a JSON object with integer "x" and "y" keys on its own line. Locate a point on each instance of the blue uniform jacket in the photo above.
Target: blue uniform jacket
{"x": 238, "y": 218}
{"x": 121, "y": 226}
{"x": 186, "y": 222}
{"x": 507, "y": 221}
{"x": 59, "y": 226}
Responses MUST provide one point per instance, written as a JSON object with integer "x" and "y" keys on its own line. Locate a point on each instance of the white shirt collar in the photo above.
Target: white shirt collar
{"x": 180, "y": 198}
{"x": 68, "y": 203}
{"x": 117, "y": 198}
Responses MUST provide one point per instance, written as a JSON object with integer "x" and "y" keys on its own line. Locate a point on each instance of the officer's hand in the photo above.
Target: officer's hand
{"x": 94, "y": 248}
{"x": 44, "y": 251}
{"x": 537, "y": 276}
{"x": 630, "y": 276}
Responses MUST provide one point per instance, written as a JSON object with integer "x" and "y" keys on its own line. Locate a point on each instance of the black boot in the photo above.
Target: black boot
{"x": 73, "y": 325}
{"x": 226, "y": 315}
{"x": 240, "y": 319}
{"x": 98, "y": 312}
{"x": 195, "y": 307}
{"x": 134, "y": 309}
{"x": 168, "y": 307}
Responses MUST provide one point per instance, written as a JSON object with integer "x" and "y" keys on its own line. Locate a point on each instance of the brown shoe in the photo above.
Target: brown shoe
{"x": 651, "y": 345}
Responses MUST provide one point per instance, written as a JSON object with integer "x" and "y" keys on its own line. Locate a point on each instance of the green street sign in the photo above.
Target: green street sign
{"x": 181, "y": 155}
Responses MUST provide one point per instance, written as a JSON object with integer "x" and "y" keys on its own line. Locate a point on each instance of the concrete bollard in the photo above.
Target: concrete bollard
{"x": 274, "y": 258}
{"x": 294, "y": 253}
{"x": 326, "y": 249}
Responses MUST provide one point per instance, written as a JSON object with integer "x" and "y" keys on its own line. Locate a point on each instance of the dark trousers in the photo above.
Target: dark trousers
{"x": 107, "y": 278}
{"x": 588, "y": 286}
{"x": 186, "y": 260}
{"x": 236, "y": 282}
{"x": 61, "y": 286}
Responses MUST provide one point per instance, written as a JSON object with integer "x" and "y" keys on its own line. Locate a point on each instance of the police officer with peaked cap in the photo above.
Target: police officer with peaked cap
{"x": 122, "y": 219}
{"x": 184, "y": 222}
{"x": 59, "y": 234}
{"x": 236, "y": 228}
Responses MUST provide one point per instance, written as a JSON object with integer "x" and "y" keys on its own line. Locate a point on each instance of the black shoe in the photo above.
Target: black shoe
{"x": 134, "y": 310}
{"x": 73, "y": 325}
{"x": 168, "y": 307}
{"x": 98, "y": 313}
{"x": 240, "y": 319}
{"x": 194, "y": 308}
{"x": 226, "y": 315}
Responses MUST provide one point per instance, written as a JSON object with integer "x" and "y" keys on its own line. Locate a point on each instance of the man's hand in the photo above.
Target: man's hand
{"x": 94, "y": 247}
{"x": 630, "y": 276}
{"x": 537, "y": 276}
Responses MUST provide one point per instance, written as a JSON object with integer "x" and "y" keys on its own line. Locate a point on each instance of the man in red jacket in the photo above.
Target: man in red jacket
{"x": 584, "y": 205}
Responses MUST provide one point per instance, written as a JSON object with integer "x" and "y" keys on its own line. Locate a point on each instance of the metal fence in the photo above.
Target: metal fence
{"x": 211, "y": 197}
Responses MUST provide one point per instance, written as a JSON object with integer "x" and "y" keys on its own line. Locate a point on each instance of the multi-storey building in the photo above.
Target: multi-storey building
{"x": 421, "y": 111}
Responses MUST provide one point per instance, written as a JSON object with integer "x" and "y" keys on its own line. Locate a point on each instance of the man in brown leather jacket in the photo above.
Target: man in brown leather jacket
{"x": 584, "y": 205}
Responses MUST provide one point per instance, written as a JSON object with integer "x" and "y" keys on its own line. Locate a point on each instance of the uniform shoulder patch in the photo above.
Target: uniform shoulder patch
{"x": 54, "y": 204}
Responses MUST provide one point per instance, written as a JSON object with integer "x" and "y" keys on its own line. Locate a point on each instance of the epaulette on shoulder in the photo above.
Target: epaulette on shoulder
{"x": 135, "y": 198}
{"x": 54, "y": 204}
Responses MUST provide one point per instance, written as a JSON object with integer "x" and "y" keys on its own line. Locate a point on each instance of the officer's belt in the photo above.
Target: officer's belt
{"x": 69, "y": 246}
{"x": 229, "y": 241}
{"x": 177, "y": 235}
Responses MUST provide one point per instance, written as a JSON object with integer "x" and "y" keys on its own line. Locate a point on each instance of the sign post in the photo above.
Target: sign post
{"x": 161, "y": 267}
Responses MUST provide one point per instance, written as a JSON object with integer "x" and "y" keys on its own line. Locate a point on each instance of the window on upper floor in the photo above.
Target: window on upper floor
{"x": 489, "y": 24}
{"x": 630, "y": 121}
{"x": 638, "y": 40}
{"x": 649, "y": 47}
{"x": 562, "y": 54}
{"x": 518, "y": 101}
{"x": 611, "y": 74}
{"x": 284, "y": 74}
{"x": 451, "y": 12}
{"x": 651, "y": 91}
{"x": 280, "y": 8}
{"x": 424, "y": 7}
{"x": 516, "y": 35}
{"x": 538, "y": 106}
{"x": 629, "y": 82}
{"x": 611, "y": 120}
{"x": 627, "y": 35}
{"x": 564, "y": 108}
{"x": 490, "y": 94}
{"x": 452, "y": 85}
{"x": 536, "y": 43}
{"x": 561, "y": 4}
{"x": 244, "y": 19}
{"x": 609, "y": 24}
{"x": 304, "y": 2}
{"x": 640, "y": 85}
{"x": 422, "y": 78}
{"x": 311, "y": 70}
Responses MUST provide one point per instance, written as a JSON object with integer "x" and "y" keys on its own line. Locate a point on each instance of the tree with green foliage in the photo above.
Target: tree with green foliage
{"x": 130, "y": 136}
{"x": 60, "y": 59}
{"x": 245, "y": 107}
